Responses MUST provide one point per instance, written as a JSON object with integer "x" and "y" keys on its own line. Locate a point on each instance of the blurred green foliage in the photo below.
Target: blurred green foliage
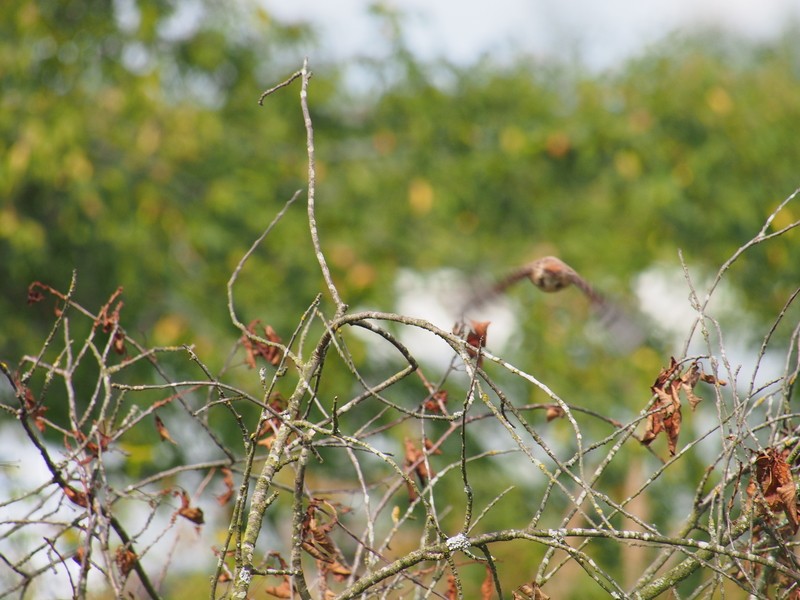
{"x": 133, "y": 150}
{"x": 140, "y": 158}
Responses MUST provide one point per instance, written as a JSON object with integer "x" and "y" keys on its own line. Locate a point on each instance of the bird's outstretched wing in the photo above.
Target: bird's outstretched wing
{"x": 551, "y": 274}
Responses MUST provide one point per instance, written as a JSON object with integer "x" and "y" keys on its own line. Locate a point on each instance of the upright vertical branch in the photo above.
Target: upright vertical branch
{"x": 298, "y": 515}
{"x": 341, "y": 307}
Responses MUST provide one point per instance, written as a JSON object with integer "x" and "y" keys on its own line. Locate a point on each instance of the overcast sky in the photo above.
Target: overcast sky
{"x": 601, "y": 33}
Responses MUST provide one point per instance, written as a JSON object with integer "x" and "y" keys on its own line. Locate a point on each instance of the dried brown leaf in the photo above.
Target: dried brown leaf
{"x": 412, "y": 492}
{"x": 665, "y": 414}
{"x": 108, "y": 320}
{"x": 187, "y": 511}
{"x": 339, "y": 571}
{"x": 487, "y": 587}
{"x": 284, "y": 590}
{"x": 788, "y": 495}
{"x": 125, "y": 560}
{"x": 192, "y": 513}
{"x": 32, "y": 408}
{"x": 436, "y": 402}
{"x": 431, "y": 448}
{"x": 224, "y": 577}
{"x": 476, "y": 338}
{"x": 529, "y": 591}
{"x": 227, "y": 479}
{"x": 416, "y": 458}
{"x": 35, "y": 295}
{"x": 92, "y": 447}
{"x": 452, "y": 589}
{"x": 554, "y": 411}
{"x": 80, "y": 552}
{"x": 691, "y": 378}
{"x": 774, "y": 479}
{"x": 315, "y": 532}
{"x": 163, "y": 432}
{"x": 254, "y": 348}
{"x": 76, "y": 497}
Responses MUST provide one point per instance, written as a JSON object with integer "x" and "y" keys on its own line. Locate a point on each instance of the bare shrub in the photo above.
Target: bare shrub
{"x": 399, "y": 486}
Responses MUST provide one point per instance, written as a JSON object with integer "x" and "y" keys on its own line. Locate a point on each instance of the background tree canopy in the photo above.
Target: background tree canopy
{"x": 134, "y": 152}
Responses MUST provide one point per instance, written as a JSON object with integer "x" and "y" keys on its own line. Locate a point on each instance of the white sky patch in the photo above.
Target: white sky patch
{"x": 663, "y": 295}
{"x": 438, "y": 297}
{"x": 600, "y": 34}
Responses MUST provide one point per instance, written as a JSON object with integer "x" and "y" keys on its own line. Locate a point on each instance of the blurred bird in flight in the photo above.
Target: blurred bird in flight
{"x": 551, "y": 274}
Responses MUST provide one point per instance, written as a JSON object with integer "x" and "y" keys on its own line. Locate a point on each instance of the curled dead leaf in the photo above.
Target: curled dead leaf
{"x": 554, "y": 411}
{"x": 284, "y": 590}
{"x": 109, "y": 321}
{"x": 487, "y": 587}
{"x": 529, "y": 591}
{"x": 452, "y": 588}
{"x": 269, "y": 427}
{"x": 776, "y": 485}
{"x": 35, "y": 295}
{"x": 32, "y": 408}
{"x": 436, "y": 402}
{"x": 187, "y": 511}
{"x": 227, "y": 479}
{"x": 163, "y": 432}
{"x": 415, "y": 458}
{"x": 476, "y": 339}
{"x": 254, "y": 348}
{"x": 665, "y": 414}
{"x": 93, "y": 449}
{"x": 192, "y": 513}
{"x": 320, "y": 519}
{"x": 76, "y": 497}
{"x": 125, "y": 560}
{"x": 339, "y": 571}
{"x": 431, "y": 448}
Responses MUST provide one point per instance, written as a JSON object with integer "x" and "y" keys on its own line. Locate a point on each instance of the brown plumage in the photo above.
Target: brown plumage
{"x": 549, "y": 274}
